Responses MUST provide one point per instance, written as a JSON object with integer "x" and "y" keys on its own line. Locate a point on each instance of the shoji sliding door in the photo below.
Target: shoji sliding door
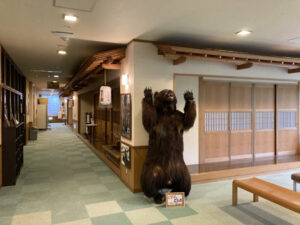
{"x": 216, "y": 121}
{"x": 264, "y": 107}
{"x": 287, "y": 105}
{"x": 240, "y": 121}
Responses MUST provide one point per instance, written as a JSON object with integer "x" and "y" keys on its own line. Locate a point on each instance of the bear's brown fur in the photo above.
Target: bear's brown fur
{"x": 164, "y": 166}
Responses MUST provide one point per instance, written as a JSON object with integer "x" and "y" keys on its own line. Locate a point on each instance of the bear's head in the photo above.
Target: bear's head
{"x": 165, "y": 100}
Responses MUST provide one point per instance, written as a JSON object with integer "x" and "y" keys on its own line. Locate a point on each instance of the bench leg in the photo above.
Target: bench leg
{"x": 234, "y": 194}
{"x": 255, "y": 198}
{"x": 295, "y": 186}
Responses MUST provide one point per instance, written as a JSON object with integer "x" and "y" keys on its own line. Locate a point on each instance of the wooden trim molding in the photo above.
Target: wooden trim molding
{"x": 241, "y": 59}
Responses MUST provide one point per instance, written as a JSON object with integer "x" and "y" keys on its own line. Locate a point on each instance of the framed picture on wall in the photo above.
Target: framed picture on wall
{"x": 125, "y": 155}
{"x": 126, "y": 115}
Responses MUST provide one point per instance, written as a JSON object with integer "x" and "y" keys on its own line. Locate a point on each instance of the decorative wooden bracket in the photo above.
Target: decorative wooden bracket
{"x": 296, "y": 70}
{"x": 179, "y": 60}
{"x": 243, "y": 60}
{"x": 244, "y": 66}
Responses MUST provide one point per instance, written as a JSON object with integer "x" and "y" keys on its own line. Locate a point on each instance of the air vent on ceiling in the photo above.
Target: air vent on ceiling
{"x": 62, "y": 34}
{"x": 85, "y": 6}
{"x": 46, "y": 71}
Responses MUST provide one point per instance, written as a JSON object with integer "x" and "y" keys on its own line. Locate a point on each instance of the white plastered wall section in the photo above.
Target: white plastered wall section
{"x": 127, "y": 67}
{"x": 148, "y": 69}
{"x": 190, "y": 137}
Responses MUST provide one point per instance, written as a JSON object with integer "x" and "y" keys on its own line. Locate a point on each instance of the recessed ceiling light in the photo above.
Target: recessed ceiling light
{"x": 56, "y": 76}
{"x": 70, "y": 18}
{"x": 243, "y": 33}
{"x": 54, "y": 81}
{"x": 61, "y": 52}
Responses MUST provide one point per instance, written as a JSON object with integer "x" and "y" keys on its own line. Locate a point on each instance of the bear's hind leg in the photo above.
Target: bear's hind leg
{"x": 183, "y": 184}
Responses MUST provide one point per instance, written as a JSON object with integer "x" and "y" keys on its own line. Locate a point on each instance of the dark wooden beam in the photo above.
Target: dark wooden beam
{"x": 297, "y": 70}
{"x": 97, "y": 76}
{"x": 244, "y": 66}
{"x": 179, "y": 60}
{"x": 111, "y": 66}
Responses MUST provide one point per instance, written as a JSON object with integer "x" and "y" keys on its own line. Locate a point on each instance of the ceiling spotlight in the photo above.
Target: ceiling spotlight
{"x": 243, "y": 33}
{"x": 56, "y": 76}
{"x": 61, "y": 52}
{"x": 70, "y": 18}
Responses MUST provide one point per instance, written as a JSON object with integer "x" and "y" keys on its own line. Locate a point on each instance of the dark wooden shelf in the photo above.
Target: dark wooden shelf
{"x": 13, "y": 88}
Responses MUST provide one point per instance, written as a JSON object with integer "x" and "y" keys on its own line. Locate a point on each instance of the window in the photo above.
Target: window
{"x": 216, "y": 121}
{"x": 53, "y": 104}
{"x": 264, "y": 120}
{"x": 286, "y": 120}
{"x": 240, "y": 120}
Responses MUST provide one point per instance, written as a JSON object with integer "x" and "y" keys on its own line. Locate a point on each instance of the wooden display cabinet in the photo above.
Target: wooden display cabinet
{"x": 13, "y": 119}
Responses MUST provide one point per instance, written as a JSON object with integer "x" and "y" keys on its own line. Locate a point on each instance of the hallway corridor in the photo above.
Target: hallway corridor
{"x": 63, "y": 182}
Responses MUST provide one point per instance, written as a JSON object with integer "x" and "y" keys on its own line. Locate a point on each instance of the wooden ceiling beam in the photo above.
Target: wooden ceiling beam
{"x": 246, "y": 65}
{"x": 96, "y": 76}
{"x": 179, "y": 60}
{"x": 111, "y": 66}
{"x": 178, "y": 53}
{"x": 296, "y": 70}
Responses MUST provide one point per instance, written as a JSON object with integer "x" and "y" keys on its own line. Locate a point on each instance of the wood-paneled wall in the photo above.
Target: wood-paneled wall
{"x": 265, "y": 100}
{"x": 288, "y": 100}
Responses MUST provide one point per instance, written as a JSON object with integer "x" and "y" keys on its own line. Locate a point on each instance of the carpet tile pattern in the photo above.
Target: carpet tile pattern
{"x": 64, "y": 183}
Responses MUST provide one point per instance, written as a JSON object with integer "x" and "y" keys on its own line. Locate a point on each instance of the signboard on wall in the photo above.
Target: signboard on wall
{"x": 126, "y": 115}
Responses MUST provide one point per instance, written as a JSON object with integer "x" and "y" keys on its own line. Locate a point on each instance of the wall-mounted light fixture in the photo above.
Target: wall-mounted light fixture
{"x": 125, "y": 79}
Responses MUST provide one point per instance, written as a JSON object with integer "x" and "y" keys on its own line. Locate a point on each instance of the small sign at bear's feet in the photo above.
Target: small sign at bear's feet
{"x": 175, "y": 199}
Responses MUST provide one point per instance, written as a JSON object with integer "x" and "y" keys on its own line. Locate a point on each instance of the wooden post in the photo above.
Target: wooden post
{"x": 276, "y": 121}
{"x": 229, "y": 122}
{"x": 234, "y": 194}
{"x": 201, "y": 112}
{"x": 255, "y": 198}
{"x": 253, "y": 120}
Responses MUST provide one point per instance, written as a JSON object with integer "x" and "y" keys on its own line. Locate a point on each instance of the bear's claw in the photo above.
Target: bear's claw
{"x": 188, "y": 95}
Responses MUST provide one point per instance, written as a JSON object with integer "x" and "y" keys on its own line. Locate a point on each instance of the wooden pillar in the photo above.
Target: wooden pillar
{"x": 276, "y": 121}
{"x": 229, "y": 122}
{"x": 253, "y": 119}
{"x": 201, "y": 112}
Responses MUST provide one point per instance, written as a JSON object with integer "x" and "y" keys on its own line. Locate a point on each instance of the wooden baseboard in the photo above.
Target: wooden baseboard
{"x": 242, "y": 172}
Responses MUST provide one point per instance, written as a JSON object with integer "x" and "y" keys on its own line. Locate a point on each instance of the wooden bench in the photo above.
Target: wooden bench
{"x": 272, "y": 192}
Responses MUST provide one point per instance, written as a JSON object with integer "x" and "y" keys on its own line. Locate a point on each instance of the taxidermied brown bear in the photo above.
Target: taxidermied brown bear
{"x": 164, "y": 167}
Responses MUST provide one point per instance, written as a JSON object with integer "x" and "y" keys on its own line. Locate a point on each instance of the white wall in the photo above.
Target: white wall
{"x": 148, "y": 69}
{"x": 127, "y": 67}
{"x": 190, "y": 137}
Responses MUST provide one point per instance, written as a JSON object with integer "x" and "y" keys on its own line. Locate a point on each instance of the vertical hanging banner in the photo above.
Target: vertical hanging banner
{"x": 105, "y": 97}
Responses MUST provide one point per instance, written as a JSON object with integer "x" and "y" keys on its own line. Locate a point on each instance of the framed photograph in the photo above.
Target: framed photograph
{"x": 126, "y": 155}
{"x": 126, "y": 116}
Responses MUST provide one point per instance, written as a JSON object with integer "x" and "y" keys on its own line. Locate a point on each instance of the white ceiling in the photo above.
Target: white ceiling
{"x": 26, "y": 25}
